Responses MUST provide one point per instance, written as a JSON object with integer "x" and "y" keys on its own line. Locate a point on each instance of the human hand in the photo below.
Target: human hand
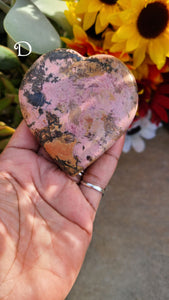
{"x": 46, "y": 219}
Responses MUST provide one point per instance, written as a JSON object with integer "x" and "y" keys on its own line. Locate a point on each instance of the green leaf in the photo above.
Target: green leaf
{"x": 25, "y": 22}
{"x": 17, "y": 117}
{"x": 5, "y": 102}
{"x": 54, "y": 9}
{"x": 50, "y": 7}
{"x": 8, "y": 59}
{"x": 9, "y": 87}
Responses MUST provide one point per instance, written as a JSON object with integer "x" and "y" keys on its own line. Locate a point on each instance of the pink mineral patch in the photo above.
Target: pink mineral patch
{"x": 77, "y": 107}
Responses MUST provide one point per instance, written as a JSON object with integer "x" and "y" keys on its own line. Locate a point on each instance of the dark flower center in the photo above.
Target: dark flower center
{"x": 109, "y": 2}
{"x": 153, "y": 20}
{"x": 92, "y": 33}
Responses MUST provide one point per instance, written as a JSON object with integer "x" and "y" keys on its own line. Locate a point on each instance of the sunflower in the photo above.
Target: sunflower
{"x": 97, "y": 12}
{"x": 145, "y": 29}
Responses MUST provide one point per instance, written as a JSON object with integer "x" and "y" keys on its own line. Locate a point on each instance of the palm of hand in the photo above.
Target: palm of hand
{"x": 45, "y": 223}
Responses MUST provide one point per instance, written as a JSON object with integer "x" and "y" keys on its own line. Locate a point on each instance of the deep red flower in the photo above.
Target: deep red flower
{"x": 159, "y": 104}
{"x": 144, "y": 92}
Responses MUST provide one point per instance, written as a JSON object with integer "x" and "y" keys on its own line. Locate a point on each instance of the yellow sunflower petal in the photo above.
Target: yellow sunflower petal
{"x": 98, "y": 26}
{"x": 95, "y": 5}
{"x": 133, "y": 42}
{"x": 165, "y": 42}
{"x": 115, "y": 19}
{"x": 66, "y": 40}
{"x": 82, "y": 6}
{"x": 117, "y": 47}
{"x": 128, "y": 16}
{"x": 103, "y": 17}
{"x": 79, "y": 33}
{"x": 107, "y": 40}
{"x": 124, "y": 3}
{"x": 123, "y": 33}
{"x": 156, "y": 52}
{"x": 89, "y": 19}
{"x": 138, "y": 3}
{"x": 139, "y": 55}
{"x": 71, "y": 17}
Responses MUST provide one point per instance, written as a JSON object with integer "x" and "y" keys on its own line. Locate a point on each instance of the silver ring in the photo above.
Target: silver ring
{"x": 93, "y": 186}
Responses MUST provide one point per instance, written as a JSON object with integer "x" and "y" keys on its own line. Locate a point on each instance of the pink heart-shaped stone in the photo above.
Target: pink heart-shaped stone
{"x": 77, "y": 107}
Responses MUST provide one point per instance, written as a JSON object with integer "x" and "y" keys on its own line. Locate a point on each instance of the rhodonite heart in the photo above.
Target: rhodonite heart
{"x": 77, "y": 107}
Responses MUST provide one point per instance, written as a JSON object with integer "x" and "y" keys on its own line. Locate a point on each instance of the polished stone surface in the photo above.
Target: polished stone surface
{"x": 128, "y": 258}
{"x": 76, "y": 106}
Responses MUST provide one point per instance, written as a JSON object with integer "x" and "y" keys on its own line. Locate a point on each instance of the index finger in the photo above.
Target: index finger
{"x": 100, "y": 172}
{"x": 23, "y": 139}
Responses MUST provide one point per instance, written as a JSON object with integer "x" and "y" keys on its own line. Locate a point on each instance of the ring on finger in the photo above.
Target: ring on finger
{"x": 93, "y": 186}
